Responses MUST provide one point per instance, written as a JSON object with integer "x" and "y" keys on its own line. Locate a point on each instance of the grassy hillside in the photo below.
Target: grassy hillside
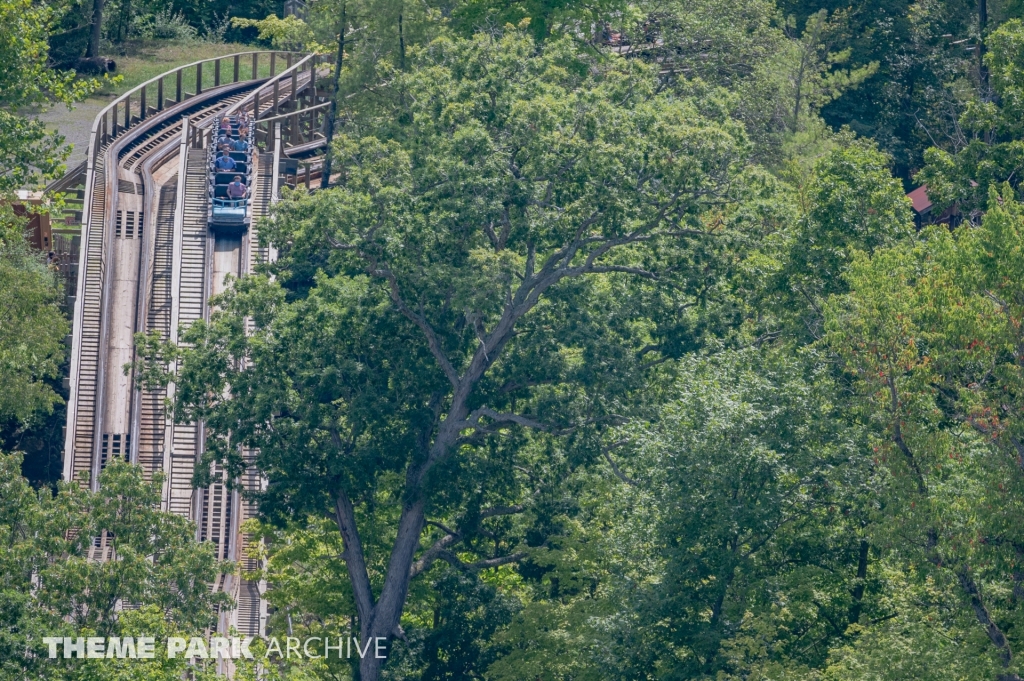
{"x": 151, "y": 58}
{"x": 144, "y": 60}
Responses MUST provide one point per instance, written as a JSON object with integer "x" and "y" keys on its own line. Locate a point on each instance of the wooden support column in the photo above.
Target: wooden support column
{"x": 237, "y": 57}
{"x": 312, "y": 82}
{"x": 216, "y": 73}
{"x": 255, "y": 65}
{"x": 273, "y": 58}
{"x": 127, "y": 112}
{"x": 199, "y": 77}
{"x": 177, "y": 75}
{"x": 160, "y": 94}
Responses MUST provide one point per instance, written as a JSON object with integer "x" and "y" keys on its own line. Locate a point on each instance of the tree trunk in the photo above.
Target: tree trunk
{"x": 332, "y": 111}
{"x": 401, "y": 43}
{"x": 124, "y": 21}
{"x": 379, "y": 620}
{"x": 404, "y": 117}
{"x": 995, "y": 634}
{"x": 97, "y": 29}
{"x": 858, "y": 589}
{"x": 796, "y": 97}
{"x": 982, "y": 69}
{"x": 386, "y": 613}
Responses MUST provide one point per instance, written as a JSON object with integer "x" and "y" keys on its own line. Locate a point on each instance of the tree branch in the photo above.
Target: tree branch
{"x": 439, "y": 548}
{"x": 441, "y": 526}
{"x": 501, "y": 510}
{"x": 353, "y": 554}
{"x": 606, "y": 453}
{"x": 432, "y": 340}
{"x": 995, "y": 634}
{"x": 432, "y": 554}
{"x": 388, "y": 610}
{"x": 897, "y": 434}
{"x": 473, "y": 420}
{"x": 454, "y": 561}
{"x": 600, "y": 269}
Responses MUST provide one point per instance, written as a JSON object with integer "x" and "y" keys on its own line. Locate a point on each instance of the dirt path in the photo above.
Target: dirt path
{"x": 75, "y": 125}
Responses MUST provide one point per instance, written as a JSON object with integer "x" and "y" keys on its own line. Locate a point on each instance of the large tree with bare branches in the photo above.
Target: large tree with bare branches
{"x": 482, "y": 296}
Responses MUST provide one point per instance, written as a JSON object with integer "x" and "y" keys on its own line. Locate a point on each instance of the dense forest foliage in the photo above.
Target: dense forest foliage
{"x": 614, "y": 351}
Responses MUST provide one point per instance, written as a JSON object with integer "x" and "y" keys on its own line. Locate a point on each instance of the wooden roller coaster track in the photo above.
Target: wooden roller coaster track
{"x": 149, "y": 262}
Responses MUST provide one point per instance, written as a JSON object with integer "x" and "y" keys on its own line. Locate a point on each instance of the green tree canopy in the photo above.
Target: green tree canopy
{"x": 930, "y": 334}
{"x": 28, "y": 152}
{"x": 992, "y": 151}
{"x": 500, "y": 266}
{"x": 53, "y": 582}
{"x": 32, "y": 326}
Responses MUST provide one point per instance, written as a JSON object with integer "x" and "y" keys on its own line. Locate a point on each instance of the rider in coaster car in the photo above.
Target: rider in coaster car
{"x": 236, "y": 190}
{"x": 224, "y": 162}
{"x": 239, "y": 145}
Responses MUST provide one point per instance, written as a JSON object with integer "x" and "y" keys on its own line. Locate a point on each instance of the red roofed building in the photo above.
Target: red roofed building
{"x": 919, "y": 199}
{"x": 922, "y": 206}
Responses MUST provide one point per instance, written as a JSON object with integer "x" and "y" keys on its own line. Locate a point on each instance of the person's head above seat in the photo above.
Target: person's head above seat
{"x": 237, "y": 190}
